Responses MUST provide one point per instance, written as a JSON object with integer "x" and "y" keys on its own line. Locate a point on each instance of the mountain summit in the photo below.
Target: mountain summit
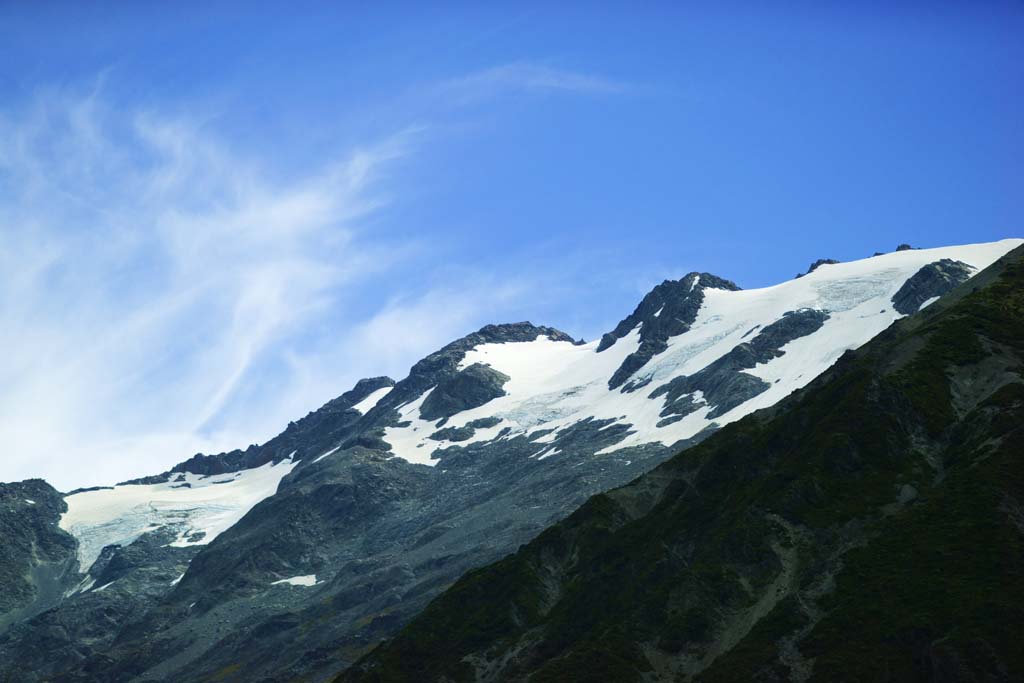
{"x": 868, "y": 528}
{"x": 293, "y": 559}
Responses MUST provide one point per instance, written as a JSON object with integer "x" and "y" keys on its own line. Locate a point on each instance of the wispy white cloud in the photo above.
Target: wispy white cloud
{"x": 164, "y": 293}
{"x": 526, "y": 77}
{"x": 147, "y": 270}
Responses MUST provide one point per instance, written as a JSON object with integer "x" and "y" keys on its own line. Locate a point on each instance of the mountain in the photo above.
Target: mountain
{"x": 293, "y": 559}
{"x": 868, "y": 528}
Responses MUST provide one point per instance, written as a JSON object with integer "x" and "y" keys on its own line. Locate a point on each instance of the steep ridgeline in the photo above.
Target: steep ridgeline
{"x": 293, "y": 559}
{"x": 868, "y": 528}
{"x": 669, "y": 310}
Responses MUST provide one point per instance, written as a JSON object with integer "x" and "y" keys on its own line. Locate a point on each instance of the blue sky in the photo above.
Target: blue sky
{"x": 216, "y": 216}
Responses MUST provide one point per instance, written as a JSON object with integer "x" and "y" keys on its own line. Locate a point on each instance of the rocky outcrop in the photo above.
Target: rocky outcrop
{"x": 444, "y": 364}
{"x": 466, "y": 432}
{"x": 381, "y": 536}
{"x": 68, "y": 643}
{"x": 668, "y": 310}
{"x": 820, "y": 262}
{"x": 317, "y": 431}
{"x": 932, "y": 281}
{"x": 723, "y": 385}
{"x": 36, "y": 556}
{"x": 469, "y": 388}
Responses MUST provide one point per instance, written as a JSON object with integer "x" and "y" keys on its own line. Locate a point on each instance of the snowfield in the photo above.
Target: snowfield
{"x": 556, "y": 384}
{"x": 553, "y": 385}
{"x": 198, "y": 508}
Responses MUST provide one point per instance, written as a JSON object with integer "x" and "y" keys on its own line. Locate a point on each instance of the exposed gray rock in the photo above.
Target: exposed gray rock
{"x": 453, "y": 434}
{"x": 35, "y": 554}
{"x": 316, "y": 432}
{"x": 464, "y": 433}
{"x": 723, "y": 384}
{"x": 933, "y": 280}
{"x": 816, "y": 264}
{"x": 668, "y": 310}
{"x": 470, "y": 388}
{"x": 445, "y": 363}
{"x": 383, "y": 537}
{"x": 484, "y": 422}
{"x": 68, "y": 643}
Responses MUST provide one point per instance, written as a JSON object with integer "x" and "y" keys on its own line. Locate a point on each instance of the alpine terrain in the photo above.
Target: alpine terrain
{"x": 867, "y": 528}
{"x": 864, "y": 524}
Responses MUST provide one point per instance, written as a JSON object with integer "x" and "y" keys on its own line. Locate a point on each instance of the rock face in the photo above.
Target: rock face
{"x": 36, "y": 557}
{"x": 931, "y": 282}
{"x": 867, "y": 528}
{"x": 667, "y": 311}
{"x": 822, "y": 262}
{"x": 322, "y": 428}
{"x": 292, "y": 559}
{"x": 466, "y": 389}
{"x": 723, "y": 384}
{"x": 444, "y": 364}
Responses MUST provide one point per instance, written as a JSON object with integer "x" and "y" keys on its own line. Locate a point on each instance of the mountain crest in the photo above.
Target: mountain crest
{"x": 666, "y": 311}
{"x": 444, "y": 363}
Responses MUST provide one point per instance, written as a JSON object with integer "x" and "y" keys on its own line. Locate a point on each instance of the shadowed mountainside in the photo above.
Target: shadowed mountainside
{"x": 868, "y": 528}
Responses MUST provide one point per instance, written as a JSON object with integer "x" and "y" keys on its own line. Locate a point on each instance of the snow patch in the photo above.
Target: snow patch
{"x": 410, "y": 443}
{"x": 368, "y": 403}
{"x": 84, "y": 585}
{"x": 324, "y": 455}
{"x": 197, "y": 507}
{"x": 307, "y": 580}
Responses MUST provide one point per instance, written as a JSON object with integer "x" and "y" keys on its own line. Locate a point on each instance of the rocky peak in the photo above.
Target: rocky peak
{"x": 466, "y": 389}
{"x": 320, "y": 429}
{"x": 444, "y": 363}
{"x": 932, "y": 281}
{"x": 361, "y": 390}
{"x": 666, "y": 311}
{"x": 816, "y": 264}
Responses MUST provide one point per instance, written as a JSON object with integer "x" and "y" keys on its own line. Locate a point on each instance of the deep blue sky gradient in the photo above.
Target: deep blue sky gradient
{"x": 754, "y": 140}
{"x": 744, "y": 139}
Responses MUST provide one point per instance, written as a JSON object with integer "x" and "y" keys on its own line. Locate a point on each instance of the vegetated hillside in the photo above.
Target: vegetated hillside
{"x": 292, "y": 559}
{"x": 869, "y": 528}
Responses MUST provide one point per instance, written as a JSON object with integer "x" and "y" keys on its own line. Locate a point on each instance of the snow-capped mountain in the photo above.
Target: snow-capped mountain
{"x": 292, "y": 558}
{"x": 867, "y": 529}
{"x": 719, "y": 353}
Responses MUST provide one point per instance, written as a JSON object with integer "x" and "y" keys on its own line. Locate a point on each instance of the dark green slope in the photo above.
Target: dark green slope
{"x": 869, "y": 528}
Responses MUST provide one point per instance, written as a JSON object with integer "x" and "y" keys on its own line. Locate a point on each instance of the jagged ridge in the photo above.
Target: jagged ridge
{"x": 868, "y": 528}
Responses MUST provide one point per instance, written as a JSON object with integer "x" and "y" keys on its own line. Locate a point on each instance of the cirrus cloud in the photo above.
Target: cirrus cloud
{"x": 147, "y": 271}
{"x": 165, "y": 293}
